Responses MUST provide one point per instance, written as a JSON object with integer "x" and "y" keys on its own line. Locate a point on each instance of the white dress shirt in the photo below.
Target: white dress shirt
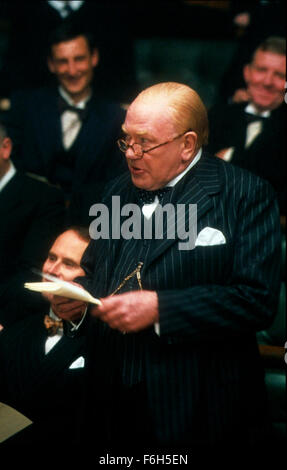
{"x": 8, "y": 176}
{"x": 148, "y": 209}
{"x": 254, "y": 128}
{"x": 60, "y": 6}
{"x": 252, "y": 131}
{"x": 71, "y": 124}
{"x": 51, "y": 341}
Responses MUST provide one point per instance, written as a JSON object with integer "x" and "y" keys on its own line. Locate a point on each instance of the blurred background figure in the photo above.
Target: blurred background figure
{"x": 252, "y": 22}
{"x": 29, "y": 24}
{"x": 67, "y": 132}
{"x": 32, "y": 214}
{"x": 252, "y": 135}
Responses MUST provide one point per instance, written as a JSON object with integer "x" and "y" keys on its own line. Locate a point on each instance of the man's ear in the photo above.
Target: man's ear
{"x": 51, "y": 65}
{"x": 6, "y": 148}
{"x": 190, "y": 143}
{"x": 246, "y": 73}
{"x": 95, "y": 57}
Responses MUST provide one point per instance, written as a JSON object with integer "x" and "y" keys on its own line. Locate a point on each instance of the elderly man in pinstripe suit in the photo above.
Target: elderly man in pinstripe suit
{"x": 173, "y": 355}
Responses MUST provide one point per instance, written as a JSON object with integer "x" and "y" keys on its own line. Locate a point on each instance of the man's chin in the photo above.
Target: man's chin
{"x": 76, "y": 92}
{"x": 266, "y": 104}
{"x": 138, "y": 182}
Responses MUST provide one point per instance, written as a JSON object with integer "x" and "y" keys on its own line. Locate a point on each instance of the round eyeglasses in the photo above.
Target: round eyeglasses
{"x": 137, "y": 148}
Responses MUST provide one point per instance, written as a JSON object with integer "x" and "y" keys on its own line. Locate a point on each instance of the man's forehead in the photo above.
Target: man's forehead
{"x": 269, "y": 57}
{"x": 73, "y": 45}
{"x": 68, "y": 242}
{"x": 147, "y": 116}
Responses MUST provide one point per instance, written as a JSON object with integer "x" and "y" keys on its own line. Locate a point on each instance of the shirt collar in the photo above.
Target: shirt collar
{"x": 8, "y": 176}
{"x": 175, "y": 180}
{"x": 81, "y": 104}
{"x": 59, "y": 5}
{"x": 74, "y": 326}
{"x": 148, "y": 209}
{"x": 53, "y": 315}
{"x": 250, "y": 108}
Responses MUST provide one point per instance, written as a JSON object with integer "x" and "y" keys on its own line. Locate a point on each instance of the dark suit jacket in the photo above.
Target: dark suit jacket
{"x": 42, "y": 387}
{"x": 32, "y": 215}
{"x": 203, "y": 374}
{"x": 265, "y": 157}
{"x": 35, "y": 128}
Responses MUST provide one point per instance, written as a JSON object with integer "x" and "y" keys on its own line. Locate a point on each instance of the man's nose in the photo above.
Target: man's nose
{"x": 72, "y": 68}
{"x": 130, "y": 154}
{"x": 55, "y": 269}
{"x": 268, "y": 79}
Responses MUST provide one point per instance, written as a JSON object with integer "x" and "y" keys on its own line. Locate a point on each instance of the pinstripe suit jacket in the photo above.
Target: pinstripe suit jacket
{"x": 203, "y": 373}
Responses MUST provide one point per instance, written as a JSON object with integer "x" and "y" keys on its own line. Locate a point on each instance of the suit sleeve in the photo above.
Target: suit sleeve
{"x": 16, "y": 127}
{"x": 247, "y": 301}
{"x": 216, "y": 129}
{"x": 44, "y": 221}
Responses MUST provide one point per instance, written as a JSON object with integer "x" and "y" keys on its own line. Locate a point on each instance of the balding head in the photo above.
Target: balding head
{"x": 182, "y": 104}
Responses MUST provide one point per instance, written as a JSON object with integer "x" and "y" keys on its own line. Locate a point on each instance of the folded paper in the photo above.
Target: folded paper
{"x": 64, "y": 289}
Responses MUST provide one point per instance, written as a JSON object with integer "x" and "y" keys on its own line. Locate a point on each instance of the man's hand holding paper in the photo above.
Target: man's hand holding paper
{"x": 68, "y": 300}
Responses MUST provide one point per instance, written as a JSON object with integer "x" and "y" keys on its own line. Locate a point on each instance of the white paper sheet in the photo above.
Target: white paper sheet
{"x": 63, "y": 288}
{"x": 11, "y": 421}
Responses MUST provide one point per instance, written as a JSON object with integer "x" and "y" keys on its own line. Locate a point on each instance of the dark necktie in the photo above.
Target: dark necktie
{"x": 64, "y": 106}
{"x": 67, "y": 9}
{"x": 52, "y": 326}
{"x": 148, "y": 197}
{"x": 253, "y": 118}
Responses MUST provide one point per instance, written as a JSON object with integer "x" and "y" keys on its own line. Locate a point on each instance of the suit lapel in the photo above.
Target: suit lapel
{"x": 29, "y": 336}
{"x": 10, "y": 195}
{"x": 111, "y": 246}
{"x": 49, "y": 132}
{"x": 94, "y": 124}
{"x": 58, "y": 359}
{"x": 196, "y": 188}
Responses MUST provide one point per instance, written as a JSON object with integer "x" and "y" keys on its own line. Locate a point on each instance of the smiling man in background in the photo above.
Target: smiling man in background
{"x": 252, "y": 134}
{"x": 66, "y": 133}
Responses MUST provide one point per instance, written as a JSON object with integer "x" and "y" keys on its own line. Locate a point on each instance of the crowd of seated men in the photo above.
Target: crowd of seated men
{"x": 58, "y": 154}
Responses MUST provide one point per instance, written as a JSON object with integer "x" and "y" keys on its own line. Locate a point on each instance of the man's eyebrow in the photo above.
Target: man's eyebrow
{"x": 51, "y": 253}
{"x": 139, "y": 132}
{"x": 69, "y": 260}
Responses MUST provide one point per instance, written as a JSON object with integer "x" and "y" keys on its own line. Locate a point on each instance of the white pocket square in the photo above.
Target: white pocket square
{"x": 78, "y": 363}
{"x": 209, "y": 236}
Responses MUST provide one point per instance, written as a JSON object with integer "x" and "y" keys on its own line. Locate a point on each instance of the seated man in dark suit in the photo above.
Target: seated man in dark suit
{"x": 40, "y": 368}
{"x": 32, "y": 214}
{"x": 253, "y": 135}
{"x": 66, "y": 133}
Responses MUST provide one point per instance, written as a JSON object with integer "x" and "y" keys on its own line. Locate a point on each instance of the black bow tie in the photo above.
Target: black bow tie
{"x": 253, "y": 117}
{"x": 67, "y": 9}
{"x": 64, "y": 106}
{"x": 148, "y": 197}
